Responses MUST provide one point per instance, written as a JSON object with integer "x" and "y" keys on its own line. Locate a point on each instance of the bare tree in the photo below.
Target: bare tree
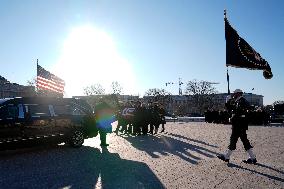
{"x": 278, "y": 102}
{"x": 116, "y": 87}
{"x": 201, "y": 95}
{"x": 31, "y": 82}
{"x": 158, "y": 95}
{"x": 156, "y": 92}
{"x": 95, "y": 89}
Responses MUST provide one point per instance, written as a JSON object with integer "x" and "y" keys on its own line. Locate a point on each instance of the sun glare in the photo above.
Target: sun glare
{"x": 89, "y": 56}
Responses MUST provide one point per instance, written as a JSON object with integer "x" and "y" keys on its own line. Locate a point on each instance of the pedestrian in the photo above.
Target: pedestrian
{"x": 150, "y": 117}
{"x": 156, "y": 117}
{"x": 138, "y": 118}
{"x": 239, "y": 107}
{"x": 121, "y": 120}
{"x": 105, "y": 116}
{"x": 162, "y": 113}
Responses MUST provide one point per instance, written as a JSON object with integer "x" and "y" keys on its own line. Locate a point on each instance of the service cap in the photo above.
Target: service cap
{"x": 238, "y": 91}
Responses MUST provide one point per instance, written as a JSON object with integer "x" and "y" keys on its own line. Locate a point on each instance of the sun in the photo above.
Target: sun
{"x": 89, "y": 56}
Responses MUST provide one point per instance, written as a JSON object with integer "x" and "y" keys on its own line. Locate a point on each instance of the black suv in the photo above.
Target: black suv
{"x": 37, "y": 120}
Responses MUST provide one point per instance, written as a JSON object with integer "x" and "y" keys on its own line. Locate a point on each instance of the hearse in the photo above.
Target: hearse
{"x": 44, "y": 120}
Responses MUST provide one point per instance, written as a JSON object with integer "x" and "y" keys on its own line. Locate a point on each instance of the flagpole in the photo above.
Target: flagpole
{"x": 228, "y": 77}
{"x": 36, "y": 74}
{"x": 228, "y": 81}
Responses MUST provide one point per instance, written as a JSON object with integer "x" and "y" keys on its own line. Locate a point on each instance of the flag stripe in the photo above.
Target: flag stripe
{"x": 49, "y": 81}
{"x": 49, "y": 88}
{"x": 59, "y": 85}
{"x": 45, "y": 84}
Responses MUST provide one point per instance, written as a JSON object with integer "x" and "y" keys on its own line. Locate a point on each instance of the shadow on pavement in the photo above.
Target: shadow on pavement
{"x": 85, "y": 167}
{"x": 164, "y": 145}
{"x": 260, "y": 173}
{"x": 271, "y": 168}
{"x": 193, "y": 140}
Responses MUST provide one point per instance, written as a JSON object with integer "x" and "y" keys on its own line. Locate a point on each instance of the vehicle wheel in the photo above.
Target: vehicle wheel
{"x": 77, "y": 139}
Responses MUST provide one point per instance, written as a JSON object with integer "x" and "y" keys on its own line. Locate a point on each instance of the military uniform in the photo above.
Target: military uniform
{"x": 239, "y": 122}
{"x": 162, "y": 113}
{"x": 239, "y": 107}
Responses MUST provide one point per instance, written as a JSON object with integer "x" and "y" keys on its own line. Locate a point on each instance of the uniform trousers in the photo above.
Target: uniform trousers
{"x": 236, "y": 134}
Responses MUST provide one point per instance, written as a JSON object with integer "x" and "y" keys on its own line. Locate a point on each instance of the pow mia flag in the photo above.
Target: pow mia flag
{"x": 241, "y": 55}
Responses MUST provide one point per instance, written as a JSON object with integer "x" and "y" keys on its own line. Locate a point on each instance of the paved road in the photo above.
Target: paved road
{"x": 183, "y": 157}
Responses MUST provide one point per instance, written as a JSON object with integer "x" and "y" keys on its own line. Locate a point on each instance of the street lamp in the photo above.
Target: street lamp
{"x": 251, "y": 96}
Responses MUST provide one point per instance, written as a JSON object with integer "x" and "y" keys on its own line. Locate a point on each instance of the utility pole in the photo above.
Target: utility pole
{"x": 179, "y": 84}
{"x": 179, "y": 88}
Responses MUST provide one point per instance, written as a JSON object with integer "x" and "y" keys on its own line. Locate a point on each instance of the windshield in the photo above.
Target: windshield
{"x": 4, "y": 100}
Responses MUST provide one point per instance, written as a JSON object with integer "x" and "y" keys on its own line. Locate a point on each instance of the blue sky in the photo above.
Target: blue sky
{"x": 141, "y": 44}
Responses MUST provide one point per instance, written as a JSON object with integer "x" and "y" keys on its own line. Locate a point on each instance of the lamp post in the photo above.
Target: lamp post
{"x": 251, "y": 97}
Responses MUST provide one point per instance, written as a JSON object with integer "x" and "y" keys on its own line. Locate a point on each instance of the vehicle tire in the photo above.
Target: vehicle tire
{"x": 77, "y": 139}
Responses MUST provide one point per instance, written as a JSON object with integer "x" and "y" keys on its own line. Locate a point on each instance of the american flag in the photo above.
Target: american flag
{"x": 49, "y": 81}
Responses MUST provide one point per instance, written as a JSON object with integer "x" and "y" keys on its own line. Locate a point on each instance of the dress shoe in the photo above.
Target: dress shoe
{"x": 222, "y": 157}
{"x": 250, "y": 161}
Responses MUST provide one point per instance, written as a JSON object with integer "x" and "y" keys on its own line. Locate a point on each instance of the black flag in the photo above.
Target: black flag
{"x": 241, "y": 55}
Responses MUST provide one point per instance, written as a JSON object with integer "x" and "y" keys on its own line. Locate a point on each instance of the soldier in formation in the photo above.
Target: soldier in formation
{"x": 144, "y": 119}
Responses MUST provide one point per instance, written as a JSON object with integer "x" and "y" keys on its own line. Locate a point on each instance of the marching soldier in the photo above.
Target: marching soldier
{"x": 239, "y": 107}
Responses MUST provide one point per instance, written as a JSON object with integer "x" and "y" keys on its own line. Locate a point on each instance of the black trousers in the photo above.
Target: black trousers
{"x": 102, "y": 136}
{"x": 236, "y": 134}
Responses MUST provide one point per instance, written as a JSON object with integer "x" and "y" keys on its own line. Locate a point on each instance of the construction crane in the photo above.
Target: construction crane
{"x": 179, "y": 83}
{"x": 213, "y": 83}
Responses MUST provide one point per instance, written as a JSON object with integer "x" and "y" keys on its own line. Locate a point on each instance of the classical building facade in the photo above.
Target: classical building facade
{"x": 194, "y": 106}
{"x": 186, "y": 105}
{"x": 8, "y": 89}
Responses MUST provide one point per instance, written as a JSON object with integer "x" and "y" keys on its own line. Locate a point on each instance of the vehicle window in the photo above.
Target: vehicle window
{"x": 62, "y": 110}
{"x": 38, "y": 110}
{"x": 67, "y": 110}
{"x": 9, "y": 111}
{"x": 77, "y": 111}
{"x": 13, "y": 112}
{"x": 3, "y": 111}
{"x": 21, "y": 111}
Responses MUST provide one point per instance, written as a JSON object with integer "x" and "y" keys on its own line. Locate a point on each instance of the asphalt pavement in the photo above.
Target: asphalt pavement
{"x": 182, "y": 157}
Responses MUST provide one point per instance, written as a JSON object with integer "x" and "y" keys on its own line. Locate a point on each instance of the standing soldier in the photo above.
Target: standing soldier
{"x": 151, "y": 118}
{"x": 162, "y": 113}
{"x": 156, "y": 117}
{"x": 239, "y": 107}
{"x": 137, "y": 121}
{"x": 144, "y": 120}
{"x": 122, "y": 122}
